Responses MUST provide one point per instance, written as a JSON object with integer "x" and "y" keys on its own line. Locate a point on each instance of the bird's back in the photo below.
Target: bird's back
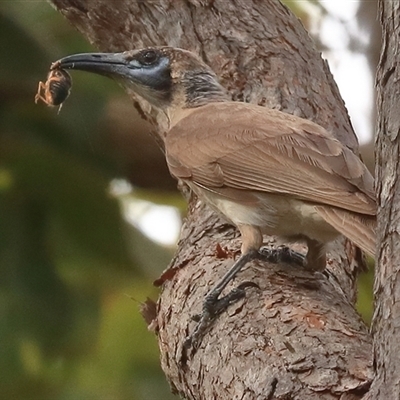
{"x": 248, "y": 147}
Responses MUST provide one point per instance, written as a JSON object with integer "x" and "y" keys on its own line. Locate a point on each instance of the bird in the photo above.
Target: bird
{"x": 265, "y": 171}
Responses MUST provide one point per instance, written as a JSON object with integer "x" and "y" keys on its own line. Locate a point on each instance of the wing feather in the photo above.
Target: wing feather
{"x": 247, "y": 147}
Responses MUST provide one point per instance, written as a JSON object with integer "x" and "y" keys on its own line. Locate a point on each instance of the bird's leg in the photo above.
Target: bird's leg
{"x": 212, "y": 305}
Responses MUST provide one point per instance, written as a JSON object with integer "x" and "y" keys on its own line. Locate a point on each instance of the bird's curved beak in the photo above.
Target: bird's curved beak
{"x": 152, "y": 83}
{"x": 109, "y": 64}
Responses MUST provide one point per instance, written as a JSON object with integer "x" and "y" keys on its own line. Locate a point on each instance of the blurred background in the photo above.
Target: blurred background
{"x": 89, "y": 215}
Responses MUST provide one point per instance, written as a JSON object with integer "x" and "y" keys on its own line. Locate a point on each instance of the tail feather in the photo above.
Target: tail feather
{"x": 359, "y": 228}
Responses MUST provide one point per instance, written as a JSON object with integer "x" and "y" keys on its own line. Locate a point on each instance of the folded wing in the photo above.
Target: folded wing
{"x": 228, "y": 146}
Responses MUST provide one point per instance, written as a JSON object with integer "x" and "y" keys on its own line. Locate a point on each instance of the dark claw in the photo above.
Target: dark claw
{"x": 224, "y": 302}
{"x": 212, "y": 307}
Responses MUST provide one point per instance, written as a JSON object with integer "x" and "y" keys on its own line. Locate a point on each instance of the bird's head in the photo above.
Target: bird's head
{"x": 164, "y": 76}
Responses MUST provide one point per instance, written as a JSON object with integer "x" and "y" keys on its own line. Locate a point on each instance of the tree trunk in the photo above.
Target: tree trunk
{"x": 386, "y": 327}
{"x": 296, "y": 336}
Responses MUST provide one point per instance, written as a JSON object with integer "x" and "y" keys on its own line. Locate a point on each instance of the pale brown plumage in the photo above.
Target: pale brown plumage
{"x": 266, "y": 171}
{"x": 241, "y": 151}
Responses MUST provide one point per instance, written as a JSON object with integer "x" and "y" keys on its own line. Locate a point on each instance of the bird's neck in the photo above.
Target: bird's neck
{"x": 196, "y": 89}
{"x": 202, "y": 88}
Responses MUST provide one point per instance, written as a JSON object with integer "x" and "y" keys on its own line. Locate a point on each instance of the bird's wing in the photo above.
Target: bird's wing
{"x": 225, "y": 146}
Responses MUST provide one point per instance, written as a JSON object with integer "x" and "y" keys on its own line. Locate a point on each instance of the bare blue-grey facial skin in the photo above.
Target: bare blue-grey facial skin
{"x": 149, "y": 69}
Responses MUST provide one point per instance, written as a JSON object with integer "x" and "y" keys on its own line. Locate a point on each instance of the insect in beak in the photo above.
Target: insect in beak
{"x": 56, "y": 89}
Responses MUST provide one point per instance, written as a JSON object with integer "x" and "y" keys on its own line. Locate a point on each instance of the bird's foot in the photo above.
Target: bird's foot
{"x": 282, "y": 254}
{"x": 212, "y": 308}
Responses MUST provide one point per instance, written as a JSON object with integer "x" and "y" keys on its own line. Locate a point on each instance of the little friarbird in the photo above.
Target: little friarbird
{"x": 265, "y": 171}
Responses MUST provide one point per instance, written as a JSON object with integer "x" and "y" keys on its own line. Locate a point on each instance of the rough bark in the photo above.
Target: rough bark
{"x": 297, "y": 335}
{"x": 386, "y": 328}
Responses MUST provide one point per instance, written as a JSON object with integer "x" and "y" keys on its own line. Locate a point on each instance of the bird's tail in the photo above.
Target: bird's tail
{"x": 359, "y": 228}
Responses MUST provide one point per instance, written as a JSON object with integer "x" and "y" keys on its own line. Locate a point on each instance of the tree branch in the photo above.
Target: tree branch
{"x": 385, "y": 325}
{"x": 298, "y": 335}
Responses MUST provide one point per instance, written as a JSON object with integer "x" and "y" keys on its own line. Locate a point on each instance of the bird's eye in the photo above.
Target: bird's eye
{"x": 148, "y": 57}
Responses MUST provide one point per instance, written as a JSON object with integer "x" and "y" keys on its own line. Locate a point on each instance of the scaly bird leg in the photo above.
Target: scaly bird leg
{"x": 213, "y": 305}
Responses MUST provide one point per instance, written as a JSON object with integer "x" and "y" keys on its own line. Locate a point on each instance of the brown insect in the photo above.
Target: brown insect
{"x": 56, "y": 88}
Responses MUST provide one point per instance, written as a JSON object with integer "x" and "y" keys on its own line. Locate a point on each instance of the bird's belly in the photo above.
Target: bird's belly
{"x": 276, "y": 215}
